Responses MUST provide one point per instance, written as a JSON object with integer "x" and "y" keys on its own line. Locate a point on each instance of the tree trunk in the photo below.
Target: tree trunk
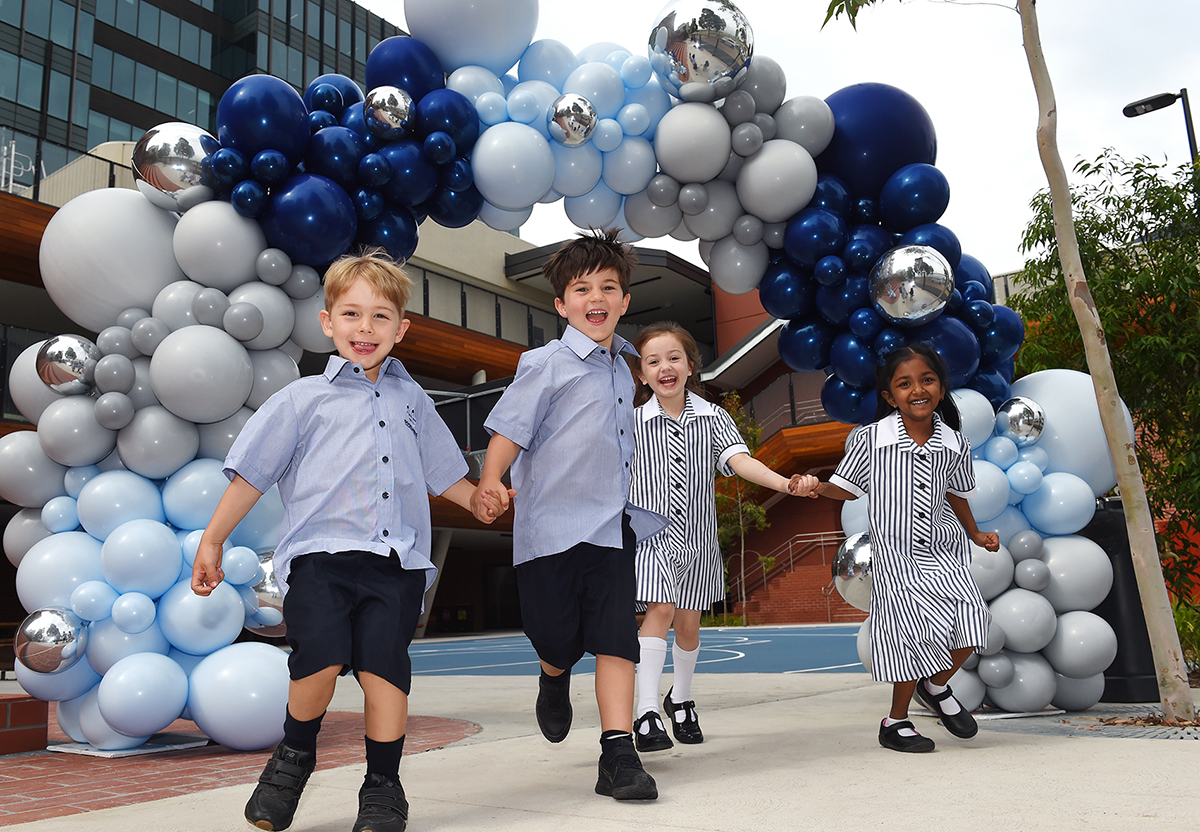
{"x": 1160, "y": 622}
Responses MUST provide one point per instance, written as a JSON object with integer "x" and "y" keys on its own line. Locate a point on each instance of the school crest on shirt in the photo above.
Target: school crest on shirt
{"x": 410, "y": 418}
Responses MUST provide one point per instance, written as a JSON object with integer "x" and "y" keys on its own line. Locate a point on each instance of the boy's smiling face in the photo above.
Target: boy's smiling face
{"x": 594, "y": 303}
{"x": 364, "y": 327}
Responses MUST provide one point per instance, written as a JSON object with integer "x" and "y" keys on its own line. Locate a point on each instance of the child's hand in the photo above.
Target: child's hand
{"x": 206, "y": 569}
{"x": 488, "y": 503}
{"x": 803, "y": 485}
{"x": 988, "y": 540}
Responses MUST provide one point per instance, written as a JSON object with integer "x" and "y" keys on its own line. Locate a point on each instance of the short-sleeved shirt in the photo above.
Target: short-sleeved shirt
{"x": 355, "y": 462}
{"x": 570, "y": 409}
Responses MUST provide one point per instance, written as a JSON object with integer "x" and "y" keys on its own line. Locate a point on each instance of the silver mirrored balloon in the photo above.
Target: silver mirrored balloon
{"x": 571, "y": 119}
{"x": 166, "y": 165}
{"x": 1020, "y": 419}
{"x": 389, "y": 113}
{"x": 268, "y": 621}
{"x": 911, "y": 284}
{"x": 67, "y": 364}
{"x": 701, "y": 51}
{"x": 50, "y": 640}
{"x": 852, "y": 571}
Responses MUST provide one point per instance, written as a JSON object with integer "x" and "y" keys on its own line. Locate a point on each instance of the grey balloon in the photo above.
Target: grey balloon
{"x": 117, "y": 340}
{"x": 114, "y": 374}
{"x": 736, "y": 268}
{"x": 1020, "y": 419}
{"x": 148, "y": 333}
{"x": 719, "y": 215}
{"x": 114, "y": 410}
{"x": 693, "y": 199}
{"x": 304, "y": 282}
{"x": 201, "y": 374}
{"x": 647, "y": 218}
{"x": 67, "y": 364}
{"x": 273, "y": 370}
{"x": 173, "y": 304}
{"x": 663, "y": 190}
{"x": 71, "y": 436}
{"x": 28, "y": 477}
{"x": 748, "y": 230}
{"x": 243, "y": 321}
{"x": 166, "y": 165}
{"x": 216, "y": 438}
{"x": 389, "y": 112}
{"x": 50, "y": 640}
{"x": 746, "y": 139}
{"x": 131, "y": 316}
{"x": 699, "y": 49}
{"x": 738, "y": 108}
{"x": 767, "y": 124}
{"x": 571, "y": 119}
{"x": 278, "y": 315}
{"x": 157, "y": 443}
{"x": 209, "y": 305}
{"x": 273, "y": 266}
{"x": 911, "y": 284}
{"x": 852, "y": 571}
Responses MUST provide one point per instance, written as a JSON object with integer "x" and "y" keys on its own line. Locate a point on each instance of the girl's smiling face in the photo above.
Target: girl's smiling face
{"x": 915, "y": 390}
{"x": 665, "y": 367}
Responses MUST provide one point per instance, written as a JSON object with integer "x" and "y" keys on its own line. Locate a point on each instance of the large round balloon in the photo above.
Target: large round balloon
{"x": 166, "y": 164}
{"x": 491, "y": 34}
{"x": 262, "y": 112}
{"x": 115, "y": 497}
{"x": 878, "y": 130}
{"x": 914, "y": 195}
{"x": 53, "y": 567}
{"x": 141, "y": 556}
{"x": 955, "y": 343}
{"x": 215, "y": 246}
{"x": 1081, "y": 574}
{"x": 1027, "y": 618}
{"x": 804, "y": 344}
{"x": 683, "y": 55}
{"x": 910, "y": 284}
{"x": 238, "y": 695}
{"x": 513, "y": 165}
{"x": 692, "y": 143}
{"x": 777, "y": 181}
{"x": 1083, "y": 645}
{"x": 1032, "y": 687}
{"x": 785, "y": 291}
{"x": 812, "y": 234}
{"x": 311, "y": 219}
{"x": 143, "y": 693}
{"x": 1061, "y": 504}
{"x": 406, "y": 63}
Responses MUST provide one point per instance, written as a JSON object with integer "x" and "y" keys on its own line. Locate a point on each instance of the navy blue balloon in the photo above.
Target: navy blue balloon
{"x": 439, "y": 148}
{"x": 318, "y": 120}
{"x": 830, "y": 270}
{"x": 969, "y": 269}
{"x": 991, "y": 383}
{"x": 455, "y": 209}
{"x": 868, "y": 406}
{"x": 864, "y": 211}
{"x": 866, "y": 323}
{"x": 974, "y": 291}
{"x": 914, "y": 195}
{"x": 978, "y": 314}
{"x": 935, "y": 236}
{"x": 1004, "y": 337}
{"x": 841, "y": 400}
{"x": 368, "y": 204}
{"x": 813, "y": 234}
{"x": 229, "y": 166}
{"x": 456, "y": 176}
{"x": 407, "y": 63}
{"x": 349, "y": 93}
{"x": 414, "y": 177}
{"x": 450, "y": 112}
{"x": 335, "y": 153}
{"x": 394, "y": 230}
{"x": 270, "y": 167}
{"x": 832, "y": 195}
{"x": 249, "y": 198}
{"x": 786, "y": 291}
{"x": 866, "y": 244}
{"x": 955, "y": 303}
{"x": 374, "y": 170}
{"x": 853, "y": 360}
{"x": 354, "y": 119}
{"x": 955, "y": 343}
{"x": 804, "y": 344}
{"x": 311, "y": 218}
{"x": 878, "y": 129}
{"x": 888, "y": 340}
{"x": 837, "y": 303}
{"x": 262, "y": 112}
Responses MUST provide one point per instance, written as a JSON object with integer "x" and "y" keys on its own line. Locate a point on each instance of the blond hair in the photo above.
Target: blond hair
{"x": 383, "y": 274}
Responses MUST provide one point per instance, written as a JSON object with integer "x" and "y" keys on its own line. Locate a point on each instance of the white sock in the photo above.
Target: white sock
{"x": 904, "y": 732}
{"x": 949, "y": 704}
{"x": 684, "y": 664}
{"x": 649, "y": 672}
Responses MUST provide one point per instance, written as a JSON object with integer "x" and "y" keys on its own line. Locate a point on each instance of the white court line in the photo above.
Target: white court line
{"x": 817, "y": 669}
{"x": 473, "y": 667}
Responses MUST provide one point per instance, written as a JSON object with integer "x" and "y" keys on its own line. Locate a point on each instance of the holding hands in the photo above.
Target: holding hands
{"x": 488, "y": 503}
{"x": 803, "y": 485}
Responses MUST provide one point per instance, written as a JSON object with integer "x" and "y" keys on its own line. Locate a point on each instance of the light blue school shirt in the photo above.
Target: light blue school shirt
{"x": 570, "y": 408}
{"x": 354, "y": 460}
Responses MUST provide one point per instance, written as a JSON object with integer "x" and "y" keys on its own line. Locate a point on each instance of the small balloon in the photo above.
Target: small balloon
{"x": 852, "y": 571}
{"x": 571, "y": 119}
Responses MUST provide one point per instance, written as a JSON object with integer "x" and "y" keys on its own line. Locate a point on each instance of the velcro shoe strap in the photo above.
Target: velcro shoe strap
{"x": 284, "y": 774}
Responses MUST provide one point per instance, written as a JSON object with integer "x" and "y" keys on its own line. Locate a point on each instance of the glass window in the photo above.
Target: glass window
{"x": 344, "y": 31}
{"x": 204, "y": 110}
{"x": 206, "y": 49}
{"x": 185, "y": 107}
{"x": 122, "y": 76}
{"x": 127, "y": 15}
{"x": 264, "y": 6}
{"x": 97, "y": 129}
{"x": 263, "y": 49}
{"x": 83, "y": 41}
{"x": 329, "y": 34}
{"x": 164, "y": 96}
{"x": 168, "y": 32}
{"x": 29, "y": 85}
{"x": 102, "y": 68}
{"x": 189, "y": 42}
{"x": 79, "y": 108}
{"x": 53, "y": 157}
{"x": 37, "y": 19}
{"x": 59, "y": 102}
{"x": 312, "y": 68}
{"x": 145, "y": 80}
{"x": 62, "y": 24}
{"x": 106, "y": 11}
{"x": 360, "y": 44}
{"x": 296, "y": 19}
{"x": 10, "y": 12}
{"x": 279, "y": 10}
{"x": 295, "y": 67}
{"x": 278, "y": 59}
{"x": 119, "y": 131}
{"x": 8, "y": 75}
{"x": 148, "y": 23}
{"x": 313, "y": 22}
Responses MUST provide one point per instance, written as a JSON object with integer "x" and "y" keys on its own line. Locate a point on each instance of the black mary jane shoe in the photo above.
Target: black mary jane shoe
{"x": 685, "y": 725}
{"x": 961, "y": 724}
{"x": 890, "y": 737}
{"x": 649, "y": 733}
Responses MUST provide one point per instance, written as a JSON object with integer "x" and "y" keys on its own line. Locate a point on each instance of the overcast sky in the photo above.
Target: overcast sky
{"x": 965, "y": 63}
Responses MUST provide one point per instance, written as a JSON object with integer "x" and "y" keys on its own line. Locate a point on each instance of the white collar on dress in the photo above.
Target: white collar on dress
{"x": 887, "y": 432}
{"x": 700, "y": 407}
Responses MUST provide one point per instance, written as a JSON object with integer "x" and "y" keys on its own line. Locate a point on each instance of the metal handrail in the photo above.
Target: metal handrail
{"x": 798, "y": 547}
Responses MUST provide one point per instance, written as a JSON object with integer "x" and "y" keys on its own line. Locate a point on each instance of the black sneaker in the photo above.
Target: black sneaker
{"x": 277, "y": 794}
{"x": 649, "y": 734}
{"x": 382, "y": 806}
{"x": 890, "y": 737}
{"x": 684, "y": 722}
{"x": 553, "y": 708}
{"x": 622, "y": 776}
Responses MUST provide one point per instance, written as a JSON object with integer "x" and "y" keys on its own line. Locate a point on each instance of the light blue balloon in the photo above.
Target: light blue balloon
{"x": 523, "y": 106}
{"x": 616, "y": 59}
{"x": 133, "y": 612}
{"x": 98, "y": 732}
{"x": 491, "y": 108}
{"x": 1024, "y": 477}
{"x": 600, "y": 84}
{"x": 76, "y": 478}
{"x": 198, "y": 624}
{"x": 240, "y": 564}
{"x": 259, "y": 529}
{"x": 576, "y": 169}
{"x": 1062, "y": 504}
{"x": 991, "y": 492}
{"x": 115, "y": 497}
{"x": 635, "y": 72}
{"x": 608, "y": 135}
{"x": 1009, "y": 522}
{"x": 238, "y": 695}
{"x": 629, "y": 168}
{"x": 191, "y": 494}
{"x": 596, "y": 209}
{"x": 547, "y": 60}
{"x": 529, "y": 102}
{"x": 634, "y": 119}
{"x": 141, "y": 556}
{"x": 599, "y": 50}
{"x": 60, "y": 515}
{"x": 108, "y": 644}
{"x": 1000, "y": 451}
{"x": 67, "y": 714}
{"x": 54, "y": 566}
{"x": 656, "y": 101}
{"x": 71, "y": 683}
{"x": 474, "y": 81}
{"x": 1035, "y": 454}
{"x": 502, "y": 220}
{"x": 93, "y": 600}
{"x": 143, "y": 694}
{"x": 513, "y": 165}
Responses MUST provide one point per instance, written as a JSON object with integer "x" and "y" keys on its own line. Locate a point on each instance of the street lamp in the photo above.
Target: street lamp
{"x": 1166, "y": 99}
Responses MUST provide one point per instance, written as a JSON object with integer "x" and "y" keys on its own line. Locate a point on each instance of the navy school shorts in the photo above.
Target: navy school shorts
{"x": 356, "y": 609}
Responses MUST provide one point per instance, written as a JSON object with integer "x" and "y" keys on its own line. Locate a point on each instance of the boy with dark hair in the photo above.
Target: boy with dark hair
{"x": 355, "y": 451}
{"x": 565, "y": 425}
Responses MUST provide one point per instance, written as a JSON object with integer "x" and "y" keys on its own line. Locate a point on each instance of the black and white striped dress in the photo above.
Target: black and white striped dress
{"x": 673, "y": 468}
{"x": 924, "y": 602}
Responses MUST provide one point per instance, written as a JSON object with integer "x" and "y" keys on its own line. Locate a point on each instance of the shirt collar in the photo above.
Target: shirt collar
{"x": 890, "y": 429}
{"x": 391, "y": 366}
{"x": 584, "y": 346}
{"x": 700, "y": 407}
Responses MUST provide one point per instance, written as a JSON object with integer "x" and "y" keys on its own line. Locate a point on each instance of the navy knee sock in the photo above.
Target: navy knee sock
{"x": 301, "y": 735}
{"x": 384, "y": 757}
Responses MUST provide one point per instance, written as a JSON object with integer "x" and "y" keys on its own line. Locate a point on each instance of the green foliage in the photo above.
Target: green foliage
{"x": 738, "y": 511}
{"x": 1139, "y": 239}
{"x": 850, "y": 8}
{"x": 722, "y": 620}
{"x": 1187, "y": 622}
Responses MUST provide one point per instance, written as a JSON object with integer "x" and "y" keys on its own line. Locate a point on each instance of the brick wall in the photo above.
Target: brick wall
{"x": 23, "y": 723}
{"x": 803, "y": 596}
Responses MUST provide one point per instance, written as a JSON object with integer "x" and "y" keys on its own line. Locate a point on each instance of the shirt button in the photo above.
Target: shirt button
{"x": 385, "y": 459}
{"x": 377, "y": 394}
{"x": 386, "y": 495}
{"x": 382, "y": 423}
{"x": 385, "y": 532}
{"x": 921, "y": 514}
{"x": 622, "y": 433}
{"x": 620, "y": 401}
{"x": 356, "y": 369}
{"x": 920, "y": 540}
{"x": 674, "y": 433}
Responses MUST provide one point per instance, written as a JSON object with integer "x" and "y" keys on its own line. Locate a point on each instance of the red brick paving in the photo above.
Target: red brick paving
{"x": 49, "y": 784}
